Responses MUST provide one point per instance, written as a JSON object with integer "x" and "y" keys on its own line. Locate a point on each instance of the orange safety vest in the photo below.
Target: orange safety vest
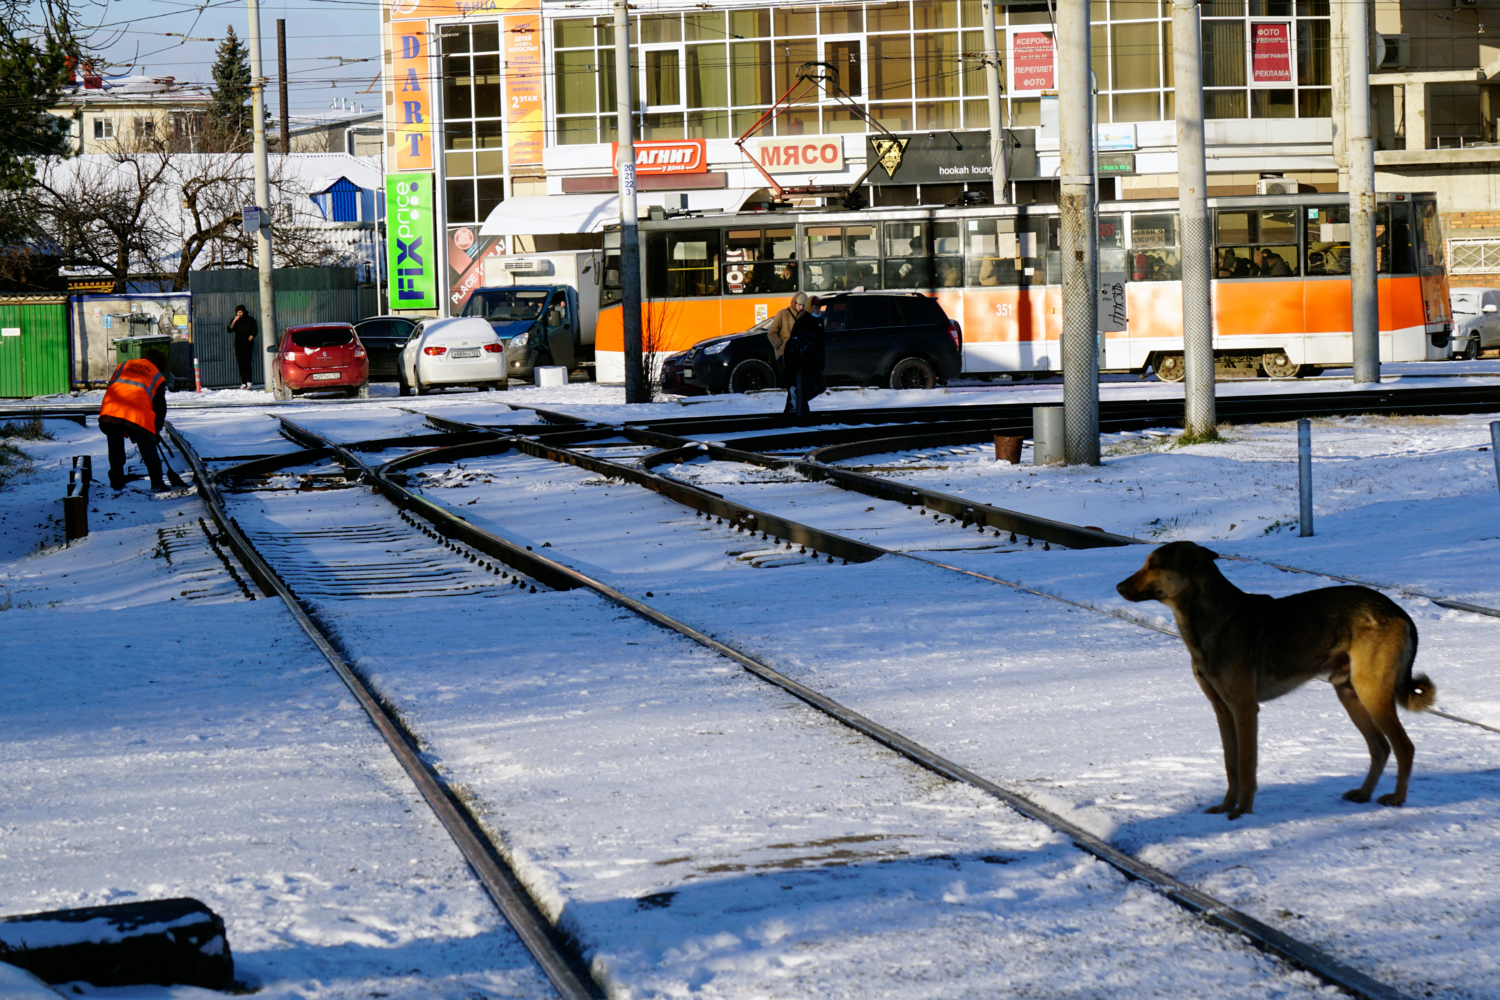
{"x": 131, "y": 392}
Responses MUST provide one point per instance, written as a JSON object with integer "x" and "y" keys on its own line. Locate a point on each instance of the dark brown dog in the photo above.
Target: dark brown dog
{"x": 1250, "y": 648}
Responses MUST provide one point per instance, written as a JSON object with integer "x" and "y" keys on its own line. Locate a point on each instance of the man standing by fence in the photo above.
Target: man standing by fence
{"x": 135, "y": 406}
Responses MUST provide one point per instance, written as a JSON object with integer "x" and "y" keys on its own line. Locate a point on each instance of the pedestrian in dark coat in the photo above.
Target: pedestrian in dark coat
{"x": 804, "y": 362}
{"x": 245, "y": 332}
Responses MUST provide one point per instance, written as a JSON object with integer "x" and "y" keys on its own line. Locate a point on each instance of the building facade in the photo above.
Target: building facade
{"x": 504, "y": 103}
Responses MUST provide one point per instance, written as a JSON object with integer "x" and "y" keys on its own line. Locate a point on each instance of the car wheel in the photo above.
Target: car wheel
{"x": 912, "y": 373}
{"x": 363, "y": 392}
{"x": 750, "y": 375}
{"x": 281, "y": 390}
{"x": 422, "y": 388}
{"x": 1472, "y": 350}
{"x": 401, "y": 387}
{"x": 1169, "y": 368}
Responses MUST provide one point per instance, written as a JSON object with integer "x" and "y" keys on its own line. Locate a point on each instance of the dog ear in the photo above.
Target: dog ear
{"x": 1207, "y": 553}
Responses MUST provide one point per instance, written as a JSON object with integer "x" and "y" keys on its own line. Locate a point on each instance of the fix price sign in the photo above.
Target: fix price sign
{"x": 1270, "y": 54}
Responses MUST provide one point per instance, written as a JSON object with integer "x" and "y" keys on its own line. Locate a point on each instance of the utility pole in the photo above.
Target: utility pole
{"x": 268, "y": 329}
{"x": 1080, "y": 233}
{"x": 636, "y": 390}
{"x": 1364, "y": 302}
{"x": 286, "y": 125}
{"x": 1200, "y": 417}
{"x": 998, "y": 177}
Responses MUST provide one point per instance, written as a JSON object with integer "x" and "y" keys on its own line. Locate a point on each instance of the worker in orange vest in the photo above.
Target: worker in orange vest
{"x": 135, "y": 406}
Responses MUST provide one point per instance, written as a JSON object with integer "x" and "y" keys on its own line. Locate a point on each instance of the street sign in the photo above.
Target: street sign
{"x": 251, "y": 219}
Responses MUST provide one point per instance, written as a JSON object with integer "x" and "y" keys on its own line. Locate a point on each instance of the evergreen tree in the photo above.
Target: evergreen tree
{"x": 229, "y": 114}
{"x": 32, "y": 78}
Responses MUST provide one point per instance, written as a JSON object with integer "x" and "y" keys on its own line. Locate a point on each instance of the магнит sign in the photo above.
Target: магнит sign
{"x": 667, "y": 156}
{"x": 409, "y": 208}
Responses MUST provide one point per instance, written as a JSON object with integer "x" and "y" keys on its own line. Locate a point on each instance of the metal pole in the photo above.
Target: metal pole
{"x": 1200, "y": 417}
{"x": 1495, "y": 447}
{"x": 265, "y": 258}
{"x": 636, "y": 390}
{"x": 1365, "y": 308}
{"x": 999, "y": 178}
{"x": 286, "y": 122}
{"x": 1080, "y": 232}
{"x": 1304, "y": 474}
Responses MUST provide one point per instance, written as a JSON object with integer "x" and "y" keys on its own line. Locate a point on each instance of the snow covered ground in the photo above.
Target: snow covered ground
{"x": 703, "y": 834}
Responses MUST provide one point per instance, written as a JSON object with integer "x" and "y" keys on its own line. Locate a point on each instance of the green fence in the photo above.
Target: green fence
{"x": 33, "y": 347}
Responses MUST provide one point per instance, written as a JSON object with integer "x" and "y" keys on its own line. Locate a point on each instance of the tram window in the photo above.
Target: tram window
{"x": 746, "y": 271}
{"x": 1111, "y": 231}
{"x": 1234, "y": 228}
{"x": 906, "y": 239}
{"x": 1399, "y": 240}
{"x": 781, "y": 244}
{"x": 1153, "y": 248}
{"x": 999, "y": 255}
{"x": 908, "y": 255}
{"x": 682, "y": 263}
{"x": 832, "y": 259}
{"x": 1429, "y": 239}
{"x": 1257, "y": 244}
{"x": 610, "y": 287}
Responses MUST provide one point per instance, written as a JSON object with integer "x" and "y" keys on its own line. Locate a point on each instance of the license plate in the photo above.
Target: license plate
{"x": 320, "y": 376}
{"x": 687, "y": 373}
{"x": 464, "y": 352}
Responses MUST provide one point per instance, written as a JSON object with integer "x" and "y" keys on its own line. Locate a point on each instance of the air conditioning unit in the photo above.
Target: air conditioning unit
{"x": 1276, "y": 185}
{"x": 543, "y": 266}
{"x": 1465, "y": 4}
{"x": 1392, "y": 51}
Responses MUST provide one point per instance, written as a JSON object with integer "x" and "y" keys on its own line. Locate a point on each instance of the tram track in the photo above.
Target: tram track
{"x": 483, "y": 440}
{"x": 450, "y": 525}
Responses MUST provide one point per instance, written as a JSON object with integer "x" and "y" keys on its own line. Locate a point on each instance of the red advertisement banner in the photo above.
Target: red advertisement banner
{"x": 667, "y": 156}
{"x": 1270, "y": 53}
{"x": 1031, "y": 62}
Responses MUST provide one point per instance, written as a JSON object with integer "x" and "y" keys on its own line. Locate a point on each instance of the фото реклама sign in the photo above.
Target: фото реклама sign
{"x": 411, "y": 249}
{"x": 1270, "y": 54}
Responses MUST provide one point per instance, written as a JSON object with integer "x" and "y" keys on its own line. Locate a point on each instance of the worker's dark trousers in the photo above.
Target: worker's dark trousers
{"x": 115, "y": 432}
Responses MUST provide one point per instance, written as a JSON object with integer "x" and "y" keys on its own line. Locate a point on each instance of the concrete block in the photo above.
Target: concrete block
{"x": 551, "y": 376}
{"x": 165, "y": 942}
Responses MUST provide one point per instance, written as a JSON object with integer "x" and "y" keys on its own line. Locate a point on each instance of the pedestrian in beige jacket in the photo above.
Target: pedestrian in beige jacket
{"x": 780, "y": 330}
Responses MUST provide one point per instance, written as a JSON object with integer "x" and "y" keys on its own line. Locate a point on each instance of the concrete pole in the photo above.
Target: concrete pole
{"x": 1200, "y": 416}
{"x": 636, "y": 389}
{"x": 1365, "y": 303}
{"x": 1080, "y": 233}
{"x": 999, "y": 180}
{"x": 286, "y": 121}
{"x": 269, "y": 331}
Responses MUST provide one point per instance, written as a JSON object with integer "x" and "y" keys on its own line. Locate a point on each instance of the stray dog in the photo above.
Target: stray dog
{"x": 1250, "y": 648}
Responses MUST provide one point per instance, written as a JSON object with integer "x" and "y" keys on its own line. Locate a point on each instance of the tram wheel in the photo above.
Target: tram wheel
{"x": 1169, "y": 368}
{"x": 1278, "y": 365}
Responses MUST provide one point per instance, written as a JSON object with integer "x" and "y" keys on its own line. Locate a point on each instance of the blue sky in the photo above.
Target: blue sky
{"x": 146, "y": 35}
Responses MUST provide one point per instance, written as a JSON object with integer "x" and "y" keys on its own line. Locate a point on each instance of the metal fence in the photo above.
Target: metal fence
{"x": 33, "y": 346}
{"x": 303, "y": 295}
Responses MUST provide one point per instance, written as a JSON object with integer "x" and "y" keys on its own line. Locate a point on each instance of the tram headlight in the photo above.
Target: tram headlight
{"x": 715, "y": 347}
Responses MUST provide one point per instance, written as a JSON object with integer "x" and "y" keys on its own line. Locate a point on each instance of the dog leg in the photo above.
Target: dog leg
{"x": 1230, "y": 743}
{"x": 1246, "y": 722}
{"x": 1383, "y": 713}
{"x": 1380, "y": 750}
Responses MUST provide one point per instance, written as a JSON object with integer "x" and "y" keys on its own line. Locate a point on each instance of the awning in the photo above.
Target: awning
{"x": 545, "y": 215}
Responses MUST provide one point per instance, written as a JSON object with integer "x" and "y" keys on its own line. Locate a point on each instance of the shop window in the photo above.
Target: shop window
{"x": 750, "y": 23}
{"x": 796, "y": 22}
{"x": 487, "y": 83}
{"x": 663, "y": 126}
{"x": 704, "y": 27}
{"x": 1224, "y": 104}
{"x": 888, "y": 16}
{"x": 490, "y": 193}
{"x": 1313, "y": 55}
{"x": 461, "y": 206}
{"x": 848, "y": 74}
{"x": 576, "y": 90}
{"x": 454, "y": 38}
{"x": 658, "y": 28}
{"x": 1273, "y": 104}
{"x": 842, "y": 20}
{"x": 1137, "y": 107}
{"x": 928, "y": 15}
{"x": 789, "y": 55}
{"x": 487, "y": 37}
{"x": 663, "y": 78}
{"x": 1223, "y": 54}
{"x": 890, "y": 67}
{"x": 573, "y": 33}
{"x": 935, "y": 65}
{"x": 1137, "y": 57}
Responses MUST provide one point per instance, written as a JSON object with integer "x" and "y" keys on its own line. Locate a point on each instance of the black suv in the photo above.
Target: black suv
{"x": 870, "y": 338}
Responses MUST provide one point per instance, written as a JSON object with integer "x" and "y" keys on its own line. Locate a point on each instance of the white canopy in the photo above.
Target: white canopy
{"x": 543, "y": 215}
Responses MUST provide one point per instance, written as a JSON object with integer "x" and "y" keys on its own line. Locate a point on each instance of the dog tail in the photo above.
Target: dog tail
{"x": 1414, "y": 692}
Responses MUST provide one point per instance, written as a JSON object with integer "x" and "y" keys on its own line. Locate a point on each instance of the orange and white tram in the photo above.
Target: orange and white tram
{"x": 1281, "y": 295}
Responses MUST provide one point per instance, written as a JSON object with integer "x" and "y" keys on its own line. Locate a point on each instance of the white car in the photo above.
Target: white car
{"x": 447, "y": 352}
{"x": 1476, "y": 321}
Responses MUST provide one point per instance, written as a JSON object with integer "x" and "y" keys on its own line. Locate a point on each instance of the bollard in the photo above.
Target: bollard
{"x": 1048, "y": 433}
{"x": 76, "y": 502}
{"x": 1008, "y": 449}
{"x": 197, "y": 376}
{"x": 1304, "y": 474}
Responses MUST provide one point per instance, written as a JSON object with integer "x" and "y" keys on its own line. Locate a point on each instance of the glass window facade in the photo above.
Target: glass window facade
{"x": 473, "y": 109}
{"x": 916, "y": 64}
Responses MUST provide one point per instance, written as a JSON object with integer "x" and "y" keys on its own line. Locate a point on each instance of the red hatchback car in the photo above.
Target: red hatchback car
{"x": 321, "y": 357}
